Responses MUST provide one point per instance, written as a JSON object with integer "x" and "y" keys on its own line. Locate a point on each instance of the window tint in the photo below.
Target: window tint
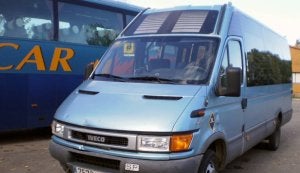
{"x": 79, "y": 24}
{"x": 267, "y": 53}
{"x": 265, "y": 68}
{"x": 267, "y": 64}
{"x": 26, "y": 19}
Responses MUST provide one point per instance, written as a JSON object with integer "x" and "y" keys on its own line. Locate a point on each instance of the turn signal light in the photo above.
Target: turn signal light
{"x": 198, "y": 113}
{"x": 181, "y": 142}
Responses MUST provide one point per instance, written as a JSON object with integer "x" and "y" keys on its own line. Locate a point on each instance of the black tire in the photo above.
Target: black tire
{"x": 209, "y": 163}
{"x": 274, "y": 139}
{"x": 65, "y": 168}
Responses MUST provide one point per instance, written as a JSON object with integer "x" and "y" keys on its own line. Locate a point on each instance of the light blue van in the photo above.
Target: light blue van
{"x": 181, "y": 90}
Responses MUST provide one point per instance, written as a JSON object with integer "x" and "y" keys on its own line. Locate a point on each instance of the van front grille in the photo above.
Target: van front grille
{"x": 102, "y": 162}
{"x": 100, "y": 139}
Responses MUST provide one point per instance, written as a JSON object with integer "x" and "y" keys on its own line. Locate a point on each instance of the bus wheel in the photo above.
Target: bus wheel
{"x": 274, "y": 139}
{"x": 209, "y": 162}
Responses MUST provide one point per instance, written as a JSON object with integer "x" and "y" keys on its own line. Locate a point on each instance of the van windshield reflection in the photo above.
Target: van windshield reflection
{"x": 167, "y": 60}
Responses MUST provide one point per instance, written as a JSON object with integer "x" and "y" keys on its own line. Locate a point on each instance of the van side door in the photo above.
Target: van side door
{"x": 229, "y": 108}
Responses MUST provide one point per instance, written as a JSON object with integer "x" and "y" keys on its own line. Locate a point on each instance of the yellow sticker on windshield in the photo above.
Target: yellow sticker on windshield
{"x": 129, "y": 49}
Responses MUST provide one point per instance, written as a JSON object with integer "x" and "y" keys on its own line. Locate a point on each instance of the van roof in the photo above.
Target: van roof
{"x": 177, "y": 20}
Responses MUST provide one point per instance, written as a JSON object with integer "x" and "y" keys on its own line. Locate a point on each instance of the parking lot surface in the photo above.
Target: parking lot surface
{"x": 27, "y": 152}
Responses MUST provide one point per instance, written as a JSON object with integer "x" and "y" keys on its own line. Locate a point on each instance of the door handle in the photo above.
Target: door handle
{"x": 244, "y": 103}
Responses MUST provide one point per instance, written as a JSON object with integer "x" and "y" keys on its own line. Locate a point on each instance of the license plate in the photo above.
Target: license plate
{"x": 85, "y": 170}
{"x": 132, "y": 167}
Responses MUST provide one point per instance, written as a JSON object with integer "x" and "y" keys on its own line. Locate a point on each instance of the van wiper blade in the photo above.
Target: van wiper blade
{"x": 152, "y": 78}
{"x": 110, "y": 76}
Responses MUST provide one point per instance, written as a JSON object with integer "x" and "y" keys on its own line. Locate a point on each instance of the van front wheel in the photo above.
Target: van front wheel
{"x": 274, "y": 139}
{"x": 208, "y": 163}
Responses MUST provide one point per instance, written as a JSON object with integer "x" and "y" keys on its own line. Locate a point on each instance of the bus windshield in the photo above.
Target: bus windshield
{"x": 175, "y": 60}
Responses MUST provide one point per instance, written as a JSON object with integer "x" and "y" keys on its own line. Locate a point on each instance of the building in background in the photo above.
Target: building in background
{"x": 295, "y": 53}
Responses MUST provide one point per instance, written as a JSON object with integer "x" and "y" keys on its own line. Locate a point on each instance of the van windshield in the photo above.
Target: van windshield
{"x": 170, "y": 60}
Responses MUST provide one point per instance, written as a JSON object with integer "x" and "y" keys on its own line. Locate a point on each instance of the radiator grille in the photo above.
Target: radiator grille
{"x": 100, "y": 139}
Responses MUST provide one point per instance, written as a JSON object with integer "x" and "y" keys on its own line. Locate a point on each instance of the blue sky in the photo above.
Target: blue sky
{"x": 283, "y": 16}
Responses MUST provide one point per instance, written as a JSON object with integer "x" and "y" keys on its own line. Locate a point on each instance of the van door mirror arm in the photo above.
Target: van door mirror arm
{"x": 89, "y": 68}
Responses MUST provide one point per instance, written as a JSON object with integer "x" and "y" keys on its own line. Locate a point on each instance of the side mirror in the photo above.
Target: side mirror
{"x": 229, "y": 84}
{"x": 89, "y": 69}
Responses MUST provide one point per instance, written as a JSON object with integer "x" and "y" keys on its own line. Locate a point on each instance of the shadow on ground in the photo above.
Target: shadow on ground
{"x": 25, "y": 135}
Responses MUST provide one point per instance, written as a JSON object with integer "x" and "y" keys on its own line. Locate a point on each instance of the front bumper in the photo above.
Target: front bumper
{"x": 70, "y": 157}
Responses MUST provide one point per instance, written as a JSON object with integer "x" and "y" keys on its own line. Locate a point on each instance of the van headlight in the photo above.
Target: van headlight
{"x": 58, "y": 128}
{"x": 174, "y": 143}
{"x": 154, "y": 143}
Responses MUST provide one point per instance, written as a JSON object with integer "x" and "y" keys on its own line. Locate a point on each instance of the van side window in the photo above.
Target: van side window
{"x": 232, "y": 58}
{"x": 224, "y": 62}
{"x": 235, "y": 56}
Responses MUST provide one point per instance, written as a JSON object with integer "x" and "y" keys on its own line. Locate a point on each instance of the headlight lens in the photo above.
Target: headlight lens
{"x": 154, "y": 143}
{"x": 58, "y": 129}
{"x": 174, "y": 143}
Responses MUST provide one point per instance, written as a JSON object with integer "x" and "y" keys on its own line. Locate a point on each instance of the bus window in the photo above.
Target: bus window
{"x": 2, "y": 23}
{"x": 84, "y": 25}
{"x": 28, "y": 19}
{"x": 129, "y": 19}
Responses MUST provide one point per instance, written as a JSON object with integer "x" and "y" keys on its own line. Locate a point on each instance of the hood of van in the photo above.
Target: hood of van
{"x": 126, "y": 106}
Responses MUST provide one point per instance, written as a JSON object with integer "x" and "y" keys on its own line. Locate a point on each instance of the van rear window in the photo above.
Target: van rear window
{"x": 188, "y": 21}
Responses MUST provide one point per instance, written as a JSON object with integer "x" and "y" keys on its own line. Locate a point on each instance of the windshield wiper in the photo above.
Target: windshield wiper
{"x": 152, "y": 78}
{"x": 141, "y": 78}
{"x": 110, "y": 76}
